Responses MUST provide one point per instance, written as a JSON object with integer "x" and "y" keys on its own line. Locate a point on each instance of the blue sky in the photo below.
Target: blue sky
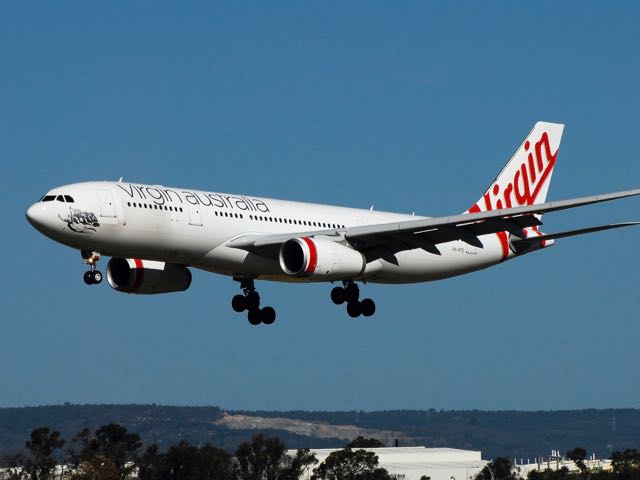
{"x": 410, "y": 106}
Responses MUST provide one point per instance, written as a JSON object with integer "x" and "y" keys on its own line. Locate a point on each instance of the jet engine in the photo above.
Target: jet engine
{"x": 146, "y": 277}
{"x": 321, "y": 258}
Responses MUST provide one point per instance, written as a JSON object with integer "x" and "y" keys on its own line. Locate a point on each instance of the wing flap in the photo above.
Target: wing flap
{"x": 427, "y": 233}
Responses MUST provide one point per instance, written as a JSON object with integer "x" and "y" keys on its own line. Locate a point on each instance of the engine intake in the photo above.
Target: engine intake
{"x": 321, "y": 258}
{"x": 146, "y": 277}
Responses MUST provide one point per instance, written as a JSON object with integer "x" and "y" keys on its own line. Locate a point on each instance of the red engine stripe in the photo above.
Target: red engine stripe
{"x": 138, "y": 274}
{"x": 313, "y": 255}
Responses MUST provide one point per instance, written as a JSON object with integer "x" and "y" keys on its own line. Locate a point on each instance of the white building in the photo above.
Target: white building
{"x": 411, "y": 463}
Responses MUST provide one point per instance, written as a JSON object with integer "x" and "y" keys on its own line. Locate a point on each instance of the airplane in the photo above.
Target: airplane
{"x": 154, "y": 234}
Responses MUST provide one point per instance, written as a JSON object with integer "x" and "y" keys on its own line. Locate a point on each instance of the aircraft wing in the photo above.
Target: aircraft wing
{"x": 383, "y": 240}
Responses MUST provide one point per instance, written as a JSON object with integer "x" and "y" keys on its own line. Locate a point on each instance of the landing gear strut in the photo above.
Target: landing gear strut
{"x": 250, "y": 301}
{"x": 91, "y": 258}
{"x": 350, "y": 293}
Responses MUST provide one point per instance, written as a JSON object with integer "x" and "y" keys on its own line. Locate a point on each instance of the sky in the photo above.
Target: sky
{"x": 407, "y": 106}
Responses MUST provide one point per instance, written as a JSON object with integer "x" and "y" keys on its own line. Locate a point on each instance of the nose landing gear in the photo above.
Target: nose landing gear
{"x": 91, "y": 258}
{"x": 250, "y": 301}
{"x": 350, "y": 293}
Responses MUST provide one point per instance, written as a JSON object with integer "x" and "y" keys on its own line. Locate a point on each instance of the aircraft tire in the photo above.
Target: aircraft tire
{"x": 252, "y": 301}
{"x": 88, "y": 278}
{"x": 268, "y": 315}
{"x": 338, "y": 295}
{"x": 238, "y": 303}
{"x": 353, "y": 309}
{"x": 254, "y": 316}
{"x": 351, "y": 293}
{"x": 368, "y": 307}
{"x": 96, "y": 277}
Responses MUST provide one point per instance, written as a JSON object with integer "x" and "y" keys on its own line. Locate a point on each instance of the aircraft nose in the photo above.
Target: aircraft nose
{"x": 37, "y": 216}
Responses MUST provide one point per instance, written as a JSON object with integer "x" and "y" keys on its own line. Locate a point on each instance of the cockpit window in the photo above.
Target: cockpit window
{"x": 60, "y": 198}
{"x": 68, "y": 198}
{"x": 48, "y": 198}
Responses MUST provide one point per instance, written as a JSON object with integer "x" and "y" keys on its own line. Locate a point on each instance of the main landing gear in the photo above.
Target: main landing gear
{"x": 250, "y": 301}
{"x": 93, "y": 276}
{"x": 350, "y": 293}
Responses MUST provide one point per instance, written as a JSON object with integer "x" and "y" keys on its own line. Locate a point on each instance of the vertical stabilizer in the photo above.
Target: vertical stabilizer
{"x": 526, "y": 177}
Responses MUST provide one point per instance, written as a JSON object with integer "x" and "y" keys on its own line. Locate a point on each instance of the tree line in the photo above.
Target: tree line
{"x": 113, "y": 453}
{"x": 625, "y": 465}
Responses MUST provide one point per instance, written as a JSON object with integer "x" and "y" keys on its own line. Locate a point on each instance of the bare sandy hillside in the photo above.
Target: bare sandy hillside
{"x": 310, "y": 429}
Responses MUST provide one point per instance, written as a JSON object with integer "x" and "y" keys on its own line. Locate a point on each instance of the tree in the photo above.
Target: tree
{"x": 361, "y": 442}
{"x": 185, "y": 462}
{"x": 299, "y": 464}
{"x": 549, "y": 474}
{"x": 109, "y": 455}
{"x": 500, "y": 468}
{"x": 40, "y": 464}
{"x": 348, "y": 464}
{"x": 626, "y": 465}
{"x": 577, "y": 456}
{"x": 267, "y": 459}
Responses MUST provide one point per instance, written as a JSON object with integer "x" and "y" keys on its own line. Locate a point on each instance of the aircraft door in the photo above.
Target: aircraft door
{"x": 195, "y": 215}
{"x": 107, "y": 207}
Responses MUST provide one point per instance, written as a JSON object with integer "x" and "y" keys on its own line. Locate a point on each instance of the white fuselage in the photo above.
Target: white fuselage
{"x": 190, "y": 227}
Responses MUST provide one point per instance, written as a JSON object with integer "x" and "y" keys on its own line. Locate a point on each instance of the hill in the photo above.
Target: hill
{"x": 495, "y": 433}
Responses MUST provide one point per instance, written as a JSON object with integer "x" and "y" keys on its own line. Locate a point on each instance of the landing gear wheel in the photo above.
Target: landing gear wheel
{"x": 268, "y": 315}
{"x": 368, "y": 307}
{"x": 351, "y": 293}
{"x": 338, "y": 295}
{"x": 252, "y": 301}
{"x": 91, "y": 259}
{"x": 255, "y": 317}
{"x": 354, "y": 309}
{"x": 238, "y": 303}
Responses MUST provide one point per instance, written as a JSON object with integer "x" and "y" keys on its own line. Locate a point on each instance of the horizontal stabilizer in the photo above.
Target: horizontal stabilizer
{"x": 570, "y": 233}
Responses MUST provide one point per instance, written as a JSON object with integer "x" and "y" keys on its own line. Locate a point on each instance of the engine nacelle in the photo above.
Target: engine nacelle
{"x": 321, "y": 258}
{"x": 147, "y": 277}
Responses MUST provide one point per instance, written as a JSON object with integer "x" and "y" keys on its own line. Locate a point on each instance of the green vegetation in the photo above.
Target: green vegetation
{"x": 517, "y": 434}
{"x": 348, "y": 464}
{"x": 624, "y": 466}
{"x": 113, "y": 453}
